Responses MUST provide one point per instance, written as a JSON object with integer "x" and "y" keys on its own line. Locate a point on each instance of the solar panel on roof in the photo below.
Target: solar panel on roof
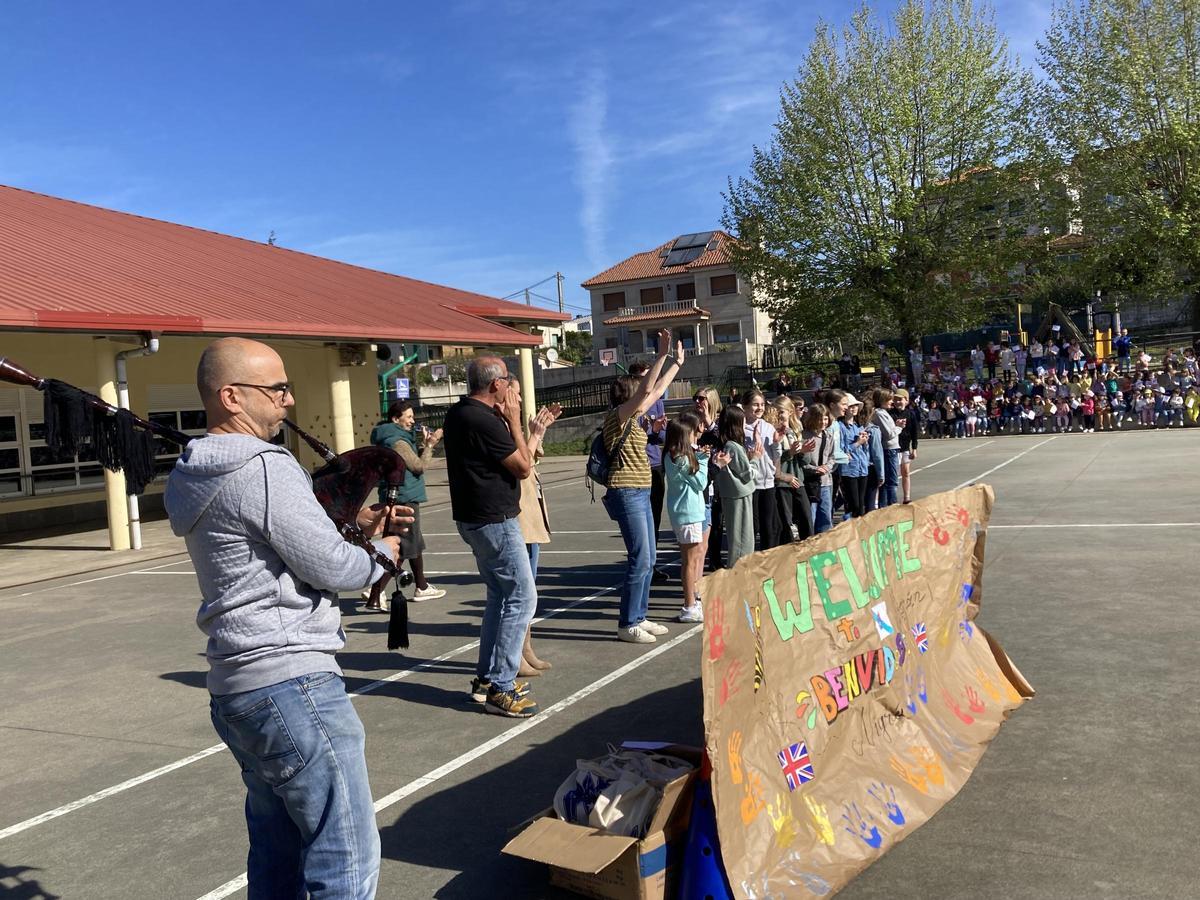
{"x": 683, "y": 256}
{"x": 686, "y": 241}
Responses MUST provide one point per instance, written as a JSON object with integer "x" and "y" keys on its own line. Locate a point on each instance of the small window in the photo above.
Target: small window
{"x": 652, "y": 295}
{"x": 610, "y": 342}
{"x": 614, "y": 302}
{"x": 685, "y": 290}
{"x": 635, "y": 342}
{"x": 726, "y": 333}
{"x": 722, "y": 284}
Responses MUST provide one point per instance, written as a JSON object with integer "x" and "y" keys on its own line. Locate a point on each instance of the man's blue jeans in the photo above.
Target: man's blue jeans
{"x": 309, "y": 811}
{"x": 630, "y": 509}
{"x": 891, "y": 477}
{"x": 823, "y": 510}
{"x": 503, "y": 562}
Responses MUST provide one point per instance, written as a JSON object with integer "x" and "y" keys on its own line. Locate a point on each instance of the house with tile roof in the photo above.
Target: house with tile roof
{"x": 687, "y": 285}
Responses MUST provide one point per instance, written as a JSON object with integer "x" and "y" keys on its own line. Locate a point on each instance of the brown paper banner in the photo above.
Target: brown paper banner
{"x": 848, "y": 693}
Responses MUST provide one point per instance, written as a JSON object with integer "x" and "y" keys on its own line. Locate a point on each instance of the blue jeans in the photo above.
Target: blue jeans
{"x": 503, "y": 565}
{"x": 891, "y": 477}
{"x": 630, "y": 509}
{"x": 309, "y": 811}
{"x": 535, "y": 553}
{"x": 823, "y": 510}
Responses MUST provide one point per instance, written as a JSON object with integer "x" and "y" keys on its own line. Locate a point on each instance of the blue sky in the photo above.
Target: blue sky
{"x": 478, "y": 144}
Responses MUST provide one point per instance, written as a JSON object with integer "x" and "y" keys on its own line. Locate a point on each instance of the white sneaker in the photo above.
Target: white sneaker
{"x": 429, "y": 593}
{"x": 692, "y": 613}
{"x": 635, "y": 635}
{"x": 653, "y": 627}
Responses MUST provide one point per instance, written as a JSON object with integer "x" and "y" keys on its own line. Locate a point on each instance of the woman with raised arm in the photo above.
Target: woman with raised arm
{"x": 627, "y": 500}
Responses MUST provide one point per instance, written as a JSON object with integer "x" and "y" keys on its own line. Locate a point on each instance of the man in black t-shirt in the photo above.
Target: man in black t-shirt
{"x": 486, "y": 457}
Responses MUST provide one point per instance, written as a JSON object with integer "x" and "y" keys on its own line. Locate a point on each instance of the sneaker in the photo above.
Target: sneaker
{"x": 428, "y": 593}
{"x": 692, "y": 613}
{"x": 635, "y": 635}
{"x": 653, "y": 627}
{"x": 481, "y": 686}
{"x": 512, "y": 703}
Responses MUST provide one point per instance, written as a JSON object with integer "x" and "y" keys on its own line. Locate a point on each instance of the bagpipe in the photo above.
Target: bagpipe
{"x": 124, "y": 442}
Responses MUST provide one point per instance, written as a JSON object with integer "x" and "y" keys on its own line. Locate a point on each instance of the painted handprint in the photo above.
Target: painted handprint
{"x": 911, "y": 702}
{"x": 716, "y": 631}
{"x": 857, "y": 826}
{"x": 886, "y": 795}
{"x": 974, "y": 703}
{"x": 928, "y": 760}
{"x": 952, "y": 705}
{"x": 815, "y": 884}
{"x": 752, "y": 803}
{"x": 820, "y": 819}
{"x": 966, "y": 630}
{"x": 729, "y": 685}
{"x": 909, "y": 775}
{"x": 735, "y": 757}
{"x": 921, "y": 692}
{"x": 786, "y": 829}
{"x": 988, "y": 685}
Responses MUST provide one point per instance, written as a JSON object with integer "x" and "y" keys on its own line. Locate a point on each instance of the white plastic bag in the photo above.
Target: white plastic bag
{"x": 618, "y": 792}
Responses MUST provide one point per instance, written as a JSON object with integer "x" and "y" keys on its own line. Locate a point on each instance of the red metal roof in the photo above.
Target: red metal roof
{"x": 649, "y": 264}
{"x": 511, "y": 312}
{"x": 67, "y": 266}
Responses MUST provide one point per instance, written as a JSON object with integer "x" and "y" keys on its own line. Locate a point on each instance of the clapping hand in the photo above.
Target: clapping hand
{"x": 721, "y": 459}
{"x": 664, "y": 342}
{"x": 756, "y": 451}
{"x": 659, "y": 424}
{"x": 809, "y": 446}
{"x": 545, "y": 417}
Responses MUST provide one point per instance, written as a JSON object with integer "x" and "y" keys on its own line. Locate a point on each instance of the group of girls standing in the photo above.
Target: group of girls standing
{"x": 757, "y": 474}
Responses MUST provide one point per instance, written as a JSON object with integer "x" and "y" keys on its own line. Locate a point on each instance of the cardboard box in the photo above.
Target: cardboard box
{"x": 594, "y": 863}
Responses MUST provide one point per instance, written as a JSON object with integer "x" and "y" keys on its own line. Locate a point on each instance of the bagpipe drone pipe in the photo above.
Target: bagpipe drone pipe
{"x": 125, "y": 442}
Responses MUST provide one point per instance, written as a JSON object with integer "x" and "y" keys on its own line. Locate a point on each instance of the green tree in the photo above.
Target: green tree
{"x": 576, "y": 346}
{"x": 879, "y": 206}
{"x": 1120, "y": 109}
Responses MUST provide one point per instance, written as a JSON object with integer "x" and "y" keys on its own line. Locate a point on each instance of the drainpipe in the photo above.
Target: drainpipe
{"x": 150, "y": 347}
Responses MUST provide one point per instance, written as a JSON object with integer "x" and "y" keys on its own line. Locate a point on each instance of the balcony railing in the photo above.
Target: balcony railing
{"x": 659, "y": 308}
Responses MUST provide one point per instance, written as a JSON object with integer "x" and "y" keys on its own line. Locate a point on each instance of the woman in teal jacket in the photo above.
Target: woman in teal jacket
{"x": 399, "y": 433}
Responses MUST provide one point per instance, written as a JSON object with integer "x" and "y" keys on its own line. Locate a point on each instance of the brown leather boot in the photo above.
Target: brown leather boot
{"x": 528, "y": 657}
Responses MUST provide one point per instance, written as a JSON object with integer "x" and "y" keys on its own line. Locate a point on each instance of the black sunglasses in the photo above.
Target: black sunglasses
{"x": 283, "y": 387}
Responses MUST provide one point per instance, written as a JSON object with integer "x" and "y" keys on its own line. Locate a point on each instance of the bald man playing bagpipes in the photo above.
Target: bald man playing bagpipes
{"x": 270, "y": 563}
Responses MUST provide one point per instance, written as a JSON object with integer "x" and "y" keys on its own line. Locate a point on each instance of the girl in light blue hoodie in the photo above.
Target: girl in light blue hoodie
{"x": 686, "y": 472}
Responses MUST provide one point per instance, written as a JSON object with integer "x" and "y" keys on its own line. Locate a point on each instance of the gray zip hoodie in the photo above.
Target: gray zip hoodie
{"x": 269, "y": 561}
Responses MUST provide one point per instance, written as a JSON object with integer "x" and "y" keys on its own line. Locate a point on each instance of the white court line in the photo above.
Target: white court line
{"x": 499, "y": 740}
{"x": 216, "y": 748}
{"x": 954, "y": 456}
{"x": 108, "y": 792}
{"x": 1101, "y": 525}
{"x": 59, "y": 587}
{"x": 1011, "y": 459}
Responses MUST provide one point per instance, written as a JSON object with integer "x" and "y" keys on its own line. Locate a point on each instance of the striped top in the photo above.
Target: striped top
{"x": 632, "y": 468}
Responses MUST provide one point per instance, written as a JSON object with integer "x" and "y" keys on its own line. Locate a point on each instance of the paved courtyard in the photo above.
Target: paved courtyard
{"x": 113, "y": 785}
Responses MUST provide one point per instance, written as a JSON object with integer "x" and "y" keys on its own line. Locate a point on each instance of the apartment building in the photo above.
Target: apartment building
{"x": 686, "y": 285}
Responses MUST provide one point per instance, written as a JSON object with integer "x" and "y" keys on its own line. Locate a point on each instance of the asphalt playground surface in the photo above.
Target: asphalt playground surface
{"x": 114, "y": 785}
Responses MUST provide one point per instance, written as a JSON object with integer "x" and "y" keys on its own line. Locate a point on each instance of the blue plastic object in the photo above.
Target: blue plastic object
{"x": 703, "y": 872}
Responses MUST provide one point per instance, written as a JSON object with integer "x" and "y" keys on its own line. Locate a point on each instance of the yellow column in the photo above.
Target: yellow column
{"x": 528, "y": 399}
{"x": 114, "y": 482}
{"x": 339, "y": 402}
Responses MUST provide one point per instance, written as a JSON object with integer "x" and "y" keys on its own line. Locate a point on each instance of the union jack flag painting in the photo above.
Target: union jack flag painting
{"x": 921, "y": 637}
{"x": 796, "y": 764}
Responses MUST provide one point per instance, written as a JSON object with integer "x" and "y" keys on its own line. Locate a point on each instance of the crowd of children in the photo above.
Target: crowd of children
{"x": 755, "y": 474}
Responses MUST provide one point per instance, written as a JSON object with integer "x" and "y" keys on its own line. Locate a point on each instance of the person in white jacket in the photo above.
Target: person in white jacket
{"x": 889, "y": 430}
